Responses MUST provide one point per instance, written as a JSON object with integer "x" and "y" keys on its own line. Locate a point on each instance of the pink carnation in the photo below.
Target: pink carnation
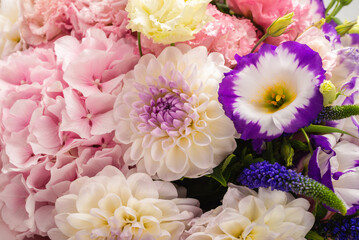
{"x": 224, "y": 34}
{"x": 46, "y": 20}
{"x": 43, "y": 20}
{"x": 107, "y": 15}
{"x": 264, "y": 12}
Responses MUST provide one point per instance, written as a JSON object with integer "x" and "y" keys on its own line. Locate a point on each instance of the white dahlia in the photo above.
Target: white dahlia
{"x": 168, "y": 111}
{"x": 109, "y": 206}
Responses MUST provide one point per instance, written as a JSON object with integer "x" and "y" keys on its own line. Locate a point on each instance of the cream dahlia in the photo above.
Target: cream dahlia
{"x": 168, "y": 111}
{"x": 246, "y": 215}
{"x": 111, "y": 206}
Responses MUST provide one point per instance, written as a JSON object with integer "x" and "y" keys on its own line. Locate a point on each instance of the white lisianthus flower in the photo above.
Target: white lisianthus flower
{"x": 111, "y": 206}
{"x": 167, "y": 21}
{"x": 9, "y": 27}
{"x": 168, "y": 111}
{"x": 246, "y": 215}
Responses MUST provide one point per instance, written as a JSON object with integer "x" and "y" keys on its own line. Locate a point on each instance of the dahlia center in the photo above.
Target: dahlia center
{"x": 168, "y": 111}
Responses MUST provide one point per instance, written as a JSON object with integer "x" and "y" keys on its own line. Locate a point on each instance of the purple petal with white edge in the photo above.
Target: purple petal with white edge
{"x": 294, "y": 64}
{"x": 331, "y": 34}
{"x": 321, "y": 171}
{"x": 350, "y": 40}
{"x": 319, "y": 6}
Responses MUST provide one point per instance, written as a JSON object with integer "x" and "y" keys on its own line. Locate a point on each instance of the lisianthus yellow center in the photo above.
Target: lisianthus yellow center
{"x": 277, "y": 97}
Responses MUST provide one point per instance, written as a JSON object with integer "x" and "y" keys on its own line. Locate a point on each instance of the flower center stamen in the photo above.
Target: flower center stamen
{"x": 277, "y": 97}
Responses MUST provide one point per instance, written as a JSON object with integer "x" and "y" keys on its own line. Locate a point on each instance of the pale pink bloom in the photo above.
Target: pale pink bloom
{"x": 47, "y": 20}
{"x": 16, "y": 204}
{"x": 87, "y": 116}
{"x": 97, "y": 64}
{"x": 44, "y": 20}
{"x": 108, "y": 15}
{"x": 224, "y": 34}
{"x": 316, "y": 40}
{"x": 264, "y": 12}
{"x": 39, "y": 186}
{"x": 33, "y": 66}
{"x": 227, "y": 35}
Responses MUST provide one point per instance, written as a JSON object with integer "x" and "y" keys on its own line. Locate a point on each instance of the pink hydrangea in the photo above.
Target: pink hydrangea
{"x": 264, "y": 12}
{"x": 224, "y": 34}
{"x": 46, "y": 20}
{"x": 56, "y": 125}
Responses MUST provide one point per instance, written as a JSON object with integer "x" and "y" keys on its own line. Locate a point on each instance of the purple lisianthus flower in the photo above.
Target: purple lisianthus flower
{"x": 273, "y": 91}
{"x": 336, "y": 165}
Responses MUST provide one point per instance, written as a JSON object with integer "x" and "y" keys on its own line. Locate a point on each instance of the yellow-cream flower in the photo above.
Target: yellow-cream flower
{"x": 167, "y": 21}
{"x": 9, "y": 27}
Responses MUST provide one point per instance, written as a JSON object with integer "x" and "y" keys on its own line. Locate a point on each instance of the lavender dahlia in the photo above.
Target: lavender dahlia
{"x": 273, "y": 91}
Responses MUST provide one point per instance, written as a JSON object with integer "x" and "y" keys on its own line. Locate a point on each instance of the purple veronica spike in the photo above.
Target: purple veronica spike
{"x": 341, "y": 229}
{"x": 273, "y": 91}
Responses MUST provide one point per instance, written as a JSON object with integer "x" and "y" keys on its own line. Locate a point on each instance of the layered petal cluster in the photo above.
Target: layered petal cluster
{"x": 265, "y": 12}
{"x": 10, "y": 40}
{"x": 245, "y": 215}
{"x": 274, "y": 91}
{"x": 168, "y": 111}
{"x": 44, "y": 21}
{"x": 111, "y": 206}
{"x": 167, "y": 21}
{"x": 225, "y": 34}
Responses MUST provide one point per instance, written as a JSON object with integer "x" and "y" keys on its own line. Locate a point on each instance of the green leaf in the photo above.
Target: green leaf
{"x": 325, "y": 129}
{"x": 227, "y": 161}
{"x": 311, "y": 235}
{"x": 299, "y": 145}
{"x": 218, "y": 172}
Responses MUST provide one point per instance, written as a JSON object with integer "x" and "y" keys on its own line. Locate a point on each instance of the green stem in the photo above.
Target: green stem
{"x": 172, "y": 44}
{"x": 139, "y": 43}
{"x": 337, "y": 8}
{"x": 308, "y": 141}
{"x": 331, "y": 4}
{"x": 260, "y": 41}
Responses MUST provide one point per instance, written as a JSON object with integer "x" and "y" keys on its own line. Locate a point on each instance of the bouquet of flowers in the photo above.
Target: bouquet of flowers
{"x": 178, "y": 119}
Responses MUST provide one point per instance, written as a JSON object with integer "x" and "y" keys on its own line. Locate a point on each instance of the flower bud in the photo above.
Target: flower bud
{"x": 345, "y": 2}
{"x": 355, "y": 28}
{"x": 279, "y": 26}
{"x": 328, "y": 91}
{"x": 344, "y": 28}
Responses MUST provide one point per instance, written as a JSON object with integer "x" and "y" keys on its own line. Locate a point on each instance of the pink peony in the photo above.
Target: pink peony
{"x": 224, "y": 34}
{"x": 264, "y": 12}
